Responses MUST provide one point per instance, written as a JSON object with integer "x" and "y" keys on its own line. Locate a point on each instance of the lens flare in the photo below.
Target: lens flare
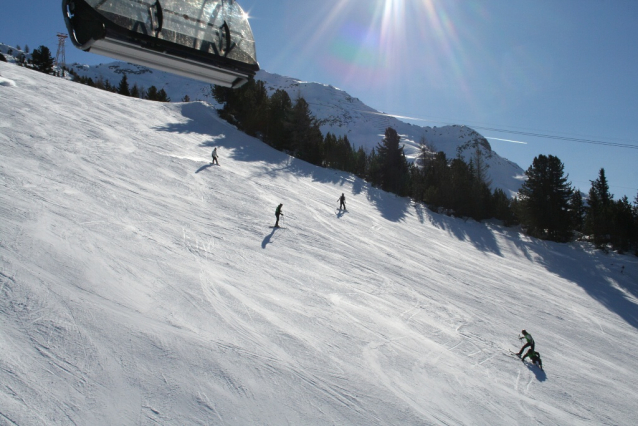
{"x": 384, "y": 44}
{"x": 393, "y": 38}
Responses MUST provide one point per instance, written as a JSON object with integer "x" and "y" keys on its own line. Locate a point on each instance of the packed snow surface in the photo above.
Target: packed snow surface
{"x": 140, "y": 285}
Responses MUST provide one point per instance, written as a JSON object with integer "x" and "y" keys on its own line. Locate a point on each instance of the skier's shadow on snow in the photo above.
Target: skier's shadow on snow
{"x": 540, "y": 374}
{"x": 204, "y": 167}
{"x": 267, "y": 239}
{"x": 340, "y": 213}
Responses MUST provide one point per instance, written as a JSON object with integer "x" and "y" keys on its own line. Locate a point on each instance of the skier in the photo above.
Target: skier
{"x": 277, "y": 213}
{"x": 534, "y": 356}
{"x": 342, "y": 202}
{"x": 214, "y": 154}
{"x": 529, "y": 343}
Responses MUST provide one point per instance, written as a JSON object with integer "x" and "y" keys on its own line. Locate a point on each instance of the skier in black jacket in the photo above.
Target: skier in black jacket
{"x": 342, "y": 202}
{"x": 278, "y": 212}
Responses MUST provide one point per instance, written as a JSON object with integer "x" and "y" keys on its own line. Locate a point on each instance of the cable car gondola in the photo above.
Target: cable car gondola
{"x": 208, "y": 40}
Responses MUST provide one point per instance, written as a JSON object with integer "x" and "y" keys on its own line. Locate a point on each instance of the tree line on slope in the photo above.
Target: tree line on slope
{"x": 122, "y": 88}
{"x": 546, "y": 207}
{"x": 549, "y": 207}
{"x": 42, "y": 61}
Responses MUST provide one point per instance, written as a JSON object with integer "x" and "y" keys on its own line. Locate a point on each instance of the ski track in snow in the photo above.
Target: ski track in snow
{"x": 140, "y": 286}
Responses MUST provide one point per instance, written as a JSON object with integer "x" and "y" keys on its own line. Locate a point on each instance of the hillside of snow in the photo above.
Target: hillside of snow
{"x": 338, "y": 113}
{"x": 140, "y": 285}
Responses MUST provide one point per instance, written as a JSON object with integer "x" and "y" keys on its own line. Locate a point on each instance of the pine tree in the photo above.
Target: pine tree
{"x": 481, "y": 194}
{"x": 338, "y": 153}
{"x": 426, "y": 152}
{"x": 577, "y": 207}
{"x": 152, "y": 94}
{"x": 346, "y": 154}
{"x": 278, "y": 127}
{"x": 254, "y": 104}
{"x": 373, "y": 169}
{"x": 598, "y": 215}
{"x": 461, "y": 197}
{"x": 331, "y": 154}
{"x": 437, "y": 182}
{"x": 622, "y": 224}
{"x": 162, "y": 96}
{"x": 419, "y": 170}
{"x": 480, "y": 165}
{"x": 306, "y": 137}
{"x": 245, "y": 107}
{"x": 42, "y": 60}
{"x": 360, "y": 162}
{"x": 123, "y": 88}
{"x": 109, "y": 87}
{"x": 517, "y": 209}
{"x": 545, "y": 199}
{"x": 393, "y": 166}
{"x": 135, "y": 92}
{"x": 501, "y": 208}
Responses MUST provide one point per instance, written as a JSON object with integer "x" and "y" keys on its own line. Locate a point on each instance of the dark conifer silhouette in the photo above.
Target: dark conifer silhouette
{"x": 545, "y": 199}
{"x": 123, "y": 88}
{"x": 393, "y": 167}
{"x": 42, "y": 60}
{"x": 597, "y": 222}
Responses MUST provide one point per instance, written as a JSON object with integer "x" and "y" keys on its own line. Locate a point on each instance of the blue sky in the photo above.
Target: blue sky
{"x": 560, "y": 68}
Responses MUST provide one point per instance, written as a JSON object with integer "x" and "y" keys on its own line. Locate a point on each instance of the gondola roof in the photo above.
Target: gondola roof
{"x": 208, "y": 40}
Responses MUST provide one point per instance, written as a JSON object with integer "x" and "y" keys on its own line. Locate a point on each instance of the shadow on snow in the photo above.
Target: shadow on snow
{"x": 601, "y": 275}
{"x": 204, "y": 167}
{"x": 479, "y": 234}
{"x": 267, "y": 238}
{"x": 540, "y": 374}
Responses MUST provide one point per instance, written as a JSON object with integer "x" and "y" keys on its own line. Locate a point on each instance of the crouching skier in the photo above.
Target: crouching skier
{"x": 534, "y": 356}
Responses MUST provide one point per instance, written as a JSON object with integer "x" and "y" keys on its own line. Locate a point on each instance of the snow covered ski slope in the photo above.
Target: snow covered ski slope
{"x": 140, "y": 285}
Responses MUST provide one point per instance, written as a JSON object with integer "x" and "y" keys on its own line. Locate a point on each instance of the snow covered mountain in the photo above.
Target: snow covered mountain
{"x": 341, "y": 114}
{"x": 140, "y": 285}
{"x": 338, "y": 113}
